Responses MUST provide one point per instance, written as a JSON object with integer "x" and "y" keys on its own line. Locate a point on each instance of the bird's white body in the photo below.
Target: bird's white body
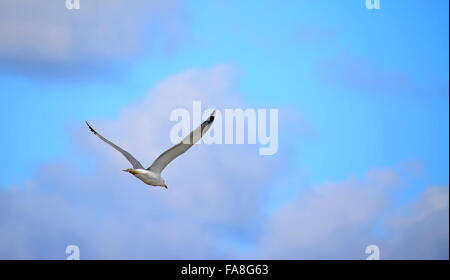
{"x": 148, "y": 177}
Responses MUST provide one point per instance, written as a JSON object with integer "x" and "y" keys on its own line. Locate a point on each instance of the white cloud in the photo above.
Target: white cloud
{"x": 338, "y": 220}
{"x": 46, "y": 35}
{"x": 424, "y": 234}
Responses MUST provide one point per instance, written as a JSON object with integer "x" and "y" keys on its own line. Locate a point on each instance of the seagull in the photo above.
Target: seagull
{"x": 152, "y": 175}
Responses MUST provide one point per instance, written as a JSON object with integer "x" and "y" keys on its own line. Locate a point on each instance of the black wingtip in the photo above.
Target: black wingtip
{"x": 90, "y": 127}
{"x": 211, "y": 118}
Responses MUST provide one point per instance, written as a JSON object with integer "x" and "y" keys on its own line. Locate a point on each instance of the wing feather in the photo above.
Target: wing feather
{"x": 165, "y": 158}
{"x": 134, "y": 162}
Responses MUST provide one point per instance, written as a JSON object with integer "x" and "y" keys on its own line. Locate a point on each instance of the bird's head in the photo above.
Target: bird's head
{"x": 130, "y": 170}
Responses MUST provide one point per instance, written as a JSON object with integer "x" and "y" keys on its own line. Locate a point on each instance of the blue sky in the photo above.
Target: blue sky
{"x": 370, "y": 86}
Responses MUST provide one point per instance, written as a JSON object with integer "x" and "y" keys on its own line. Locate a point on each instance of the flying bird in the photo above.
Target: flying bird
{"x": 152, "y": 175}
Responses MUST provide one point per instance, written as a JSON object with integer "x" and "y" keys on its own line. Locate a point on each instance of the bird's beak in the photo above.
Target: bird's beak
{"x": 165, "y": 186}
{"x": 125, "y": 170}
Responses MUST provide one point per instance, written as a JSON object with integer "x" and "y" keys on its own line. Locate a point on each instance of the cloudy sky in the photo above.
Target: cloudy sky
{"x": 363, "y": 154}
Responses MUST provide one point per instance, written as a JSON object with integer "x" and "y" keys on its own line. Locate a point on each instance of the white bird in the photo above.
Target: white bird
{"x": 152, "y": 175}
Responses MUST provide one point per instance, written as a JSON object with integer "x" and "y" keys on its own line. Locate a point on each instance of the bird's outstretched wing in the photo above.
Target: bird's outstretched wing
{"x": 165, "y": 158}
{"x": 134, "y": 162}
